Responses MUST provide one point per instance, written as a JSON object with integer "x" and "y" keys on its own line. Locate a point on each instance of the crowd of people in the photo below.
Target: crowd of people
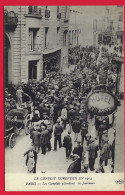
{"x": 59, "y": 105}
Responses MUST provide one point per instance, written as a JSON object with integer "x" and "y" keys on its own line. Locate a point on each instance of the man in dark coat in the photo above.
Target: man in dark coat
{"x": 71, "y": 115}
{"x": 44, "y": 139}
{"x": 92, "y": 150}
{"x": 57, "y": 135}
{"x": 84, "y": 131}
{"x": 105, "y": 152}
{"x": 78, "y": 150}
{"x": 75, "y": 166}
{"x": 55, "y": 112}
{"x": 67, "y": 143}
{"x": 35, "y": 118}
{"x": 46, "y": 109}
{"x": 50, "y": 131}
{"x": 76, "y": 126}
{"x": 35, "y": 139}
{"x": 102, "y": 127}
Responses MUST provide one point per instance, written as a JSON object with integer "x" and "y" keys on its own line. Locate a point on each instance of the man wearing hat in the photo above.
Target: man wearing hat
{"x": 44, "y": 139}
{"x": 105, "y": 153}
{"x": 92, "y": 153}
{"x": 57, "y": 135}
{"x": 78, "y": 149}
{"x": 104, "y": 137}
{"x": 35, "y": 138}
{"x": 64, "y": 115}
{"x": 71, "y": 114}
{"x": 19, "y": 94}
{"x": 67, "y": 143}
{"x": 55, "y": 112}
{"x": 102, "y": 127}
{"x": 50, "y": 131}
{"x": 75, "y": 166}
{"x": 84, "y": 131}
{"x": 76, "y": 126}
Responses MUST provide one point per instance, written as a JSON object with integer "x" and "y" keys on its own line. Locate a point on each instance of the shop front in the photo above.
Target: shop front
{"x": 51, "y": 61}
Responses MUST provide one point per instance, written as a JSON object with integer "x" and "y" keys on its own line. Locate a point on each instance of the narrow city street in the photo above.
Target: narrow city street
{"x": 55, "y": 161}
{"x": 64, "y": 79}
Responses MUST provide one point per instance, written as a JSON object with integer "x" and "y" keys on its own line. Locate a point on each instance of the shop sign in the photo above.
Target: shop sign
{"x": 101, "y": 103}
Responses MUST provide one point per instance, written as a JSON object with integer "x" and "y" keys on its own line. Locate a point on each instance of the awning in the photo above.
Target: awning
{"x": 48, "y": 51}
{"x": 51, "y": 56}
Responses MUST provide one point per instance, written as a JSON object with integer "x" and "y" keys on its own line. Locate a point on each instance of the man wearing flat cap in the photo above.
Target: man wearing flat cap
{"x": 78, "y": 149}
{"x": 67, "y": 143}
{"x": 57, "y": 135}
{"x": 92, "y": 153}
{"x": 105, "y": 154}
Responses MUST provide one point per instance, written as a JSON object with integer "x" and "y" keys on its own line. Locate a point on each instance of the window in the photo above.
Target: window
{"x": 46, "y": 37}
{"x": 58, "y": 35}
{"x": 121, "y": 16}
{"x": 47, "y": 13}
{"x": 33, "y": 39}
{"x": 34, "y": 10}
{"x": 58, "y": 13}
{"x": 72, "y": 36}
{"x": 65, "y": 38}
{"x": 75, "y": 36}
{"x": 57, "y": 10}
{"x": 33, "y": 69}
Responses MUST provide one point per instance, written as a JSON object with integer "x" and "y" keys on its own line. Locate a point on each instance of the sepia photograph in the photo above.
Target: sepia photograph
{"x": 64, "y": 89}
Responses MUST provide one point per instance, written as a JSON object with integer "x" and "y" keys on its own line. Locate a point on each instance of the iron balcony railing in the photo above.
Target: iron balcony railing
{"x": 34, "y": 10}
{"x": 47, "y": 13}
{"x": 34, "y": 47}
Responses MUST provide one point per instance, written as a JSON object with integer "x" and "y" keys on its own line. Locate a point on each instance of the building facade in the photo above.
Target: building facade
{"x": 75, "y": 26}
{"x": 35, "y": 41}
{"x": 110, "y": 28}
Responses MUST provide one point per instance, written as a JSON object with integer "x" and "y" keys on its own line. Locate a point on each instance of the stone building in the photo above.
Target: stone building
{"x": 35, "y": 41}
{"x": 75, "y": 26}
{"x": 109, "y": 29}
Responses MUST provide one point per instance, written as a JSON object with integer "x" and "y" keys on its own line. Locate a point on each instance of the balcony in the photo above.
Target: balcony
{"x": 47, "y": 14}
{"x": 10, "y": 20}
{"x": 59, "y": 16}
{"x": 34, "y": 11}
{"x": 34, "y": 47}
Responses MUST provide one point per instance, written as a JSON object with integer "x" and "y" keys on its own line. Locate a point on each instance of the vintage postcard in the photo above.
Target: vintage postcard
{"x": 64, "y": 98}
